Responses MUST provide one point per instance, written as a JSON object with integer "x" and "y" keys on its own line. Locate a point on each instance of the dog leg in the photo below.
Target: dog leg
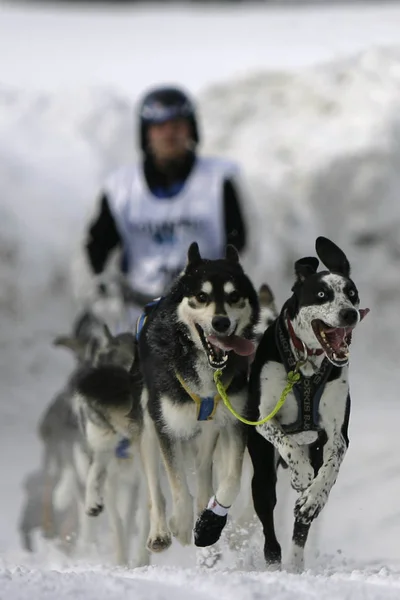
{"x": 30, "y": 520}
{"x": 181, "y": 522}
{"x": 111, "y": 490}
{"x": 87, "y": 528}
{"x": 159, "y": 538}
{"x": 94, "y": 498}
{"x": 142, "y": 521}
{"x": 312, "y": 500}
{"x": 102, "y": 443}
{"x": 204, "y": 467}
{"x": 80, "y": 464}
{"x": 263, "y": 486}
{"x": 233, "y": 443}
{"x": 206, "y": 454}
{"x": 296, "y": 457}
{"x": 69, "y": 529}
{"x": 213, "y": 519}
{"x": 136, "y": 511}
{"x": 48, "y": 528}
{"x": 50, "y": 459}
{"x": 26, "y": 536}
{"x": 301, "y": 530}
{"x": 128, "y": 498}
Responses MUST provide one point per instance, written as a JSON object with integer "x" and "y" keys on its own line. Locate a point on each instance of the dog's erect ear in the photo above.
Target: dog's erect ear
{"x": 332, "y": 256}
{"x": 304, "y": 267}
{"x": 265, "y": 295}
{"x": 193, "y": 253}
{"x": 232, "y": 254}
{"x": 72, "y": 343}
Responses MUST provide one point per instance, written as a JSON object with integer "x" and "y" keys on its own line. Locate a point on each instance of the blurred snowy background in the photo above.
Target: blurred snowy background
{"x": 307, "y": 97}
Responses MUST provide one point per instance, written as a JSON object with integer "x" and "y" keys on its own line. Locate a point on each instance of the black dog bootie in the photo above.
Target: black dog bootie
{"x": 208, "y": 528}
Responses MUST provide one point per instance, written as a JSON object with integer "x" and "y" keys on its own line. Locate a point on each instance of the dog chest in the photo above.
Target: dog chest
{"x": 180, "y": 418}
{"x": 305, "y": 413}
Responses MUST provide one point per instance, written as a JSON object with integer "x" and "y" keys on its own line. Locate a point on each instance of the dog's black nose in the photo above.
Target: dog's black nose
{"x": 221, "y": 324}
{"x": 348, "y": 316}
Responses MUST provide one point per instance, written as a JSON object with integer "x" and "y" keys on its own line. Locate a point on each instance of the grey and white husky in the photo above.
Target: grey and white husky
{"x": 91, "y": 434}
{"x": 106, "y": 402}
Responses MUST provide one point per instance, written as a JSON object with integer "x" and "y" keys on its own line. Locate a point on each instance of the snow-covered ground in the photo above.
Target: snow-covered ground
{"x": 21, "y": 583}
{"x": 320, "y": 150}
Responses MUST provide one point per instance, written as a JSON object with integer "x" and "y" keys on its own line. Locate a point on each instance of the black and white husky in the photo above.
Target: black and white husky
{"x": 310, "y": 431}
{"x": 204, "y": 323}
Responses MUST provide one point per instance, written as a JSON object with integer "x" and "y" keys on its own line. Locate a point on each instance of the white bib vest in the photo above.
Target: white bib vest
{"x": 157, "y": 232}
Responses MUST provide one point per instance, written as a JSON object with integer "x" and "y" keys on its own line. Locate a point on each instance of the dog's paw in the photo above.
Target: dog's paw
{"x": 301, "y": 474}
{"x": 94, "y": 510}
{"x": 180, "y": 530}
{"x": 309, "y": 504}
{"x": 208, "y": 528}
{"x": 273, "y": 556}
{"x": 158, "y": 542}
{"x": 295, "y": 567}
{"x": 94, "y": 501}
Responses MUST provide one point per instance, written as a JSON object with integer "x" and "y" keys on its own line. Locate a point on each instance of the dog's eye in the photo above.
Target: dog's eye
{"x": 233, "y": 297}
{"x": 321, "y": 294}
{"x": 352, "y": 293}
{"x": 202, "y": 297}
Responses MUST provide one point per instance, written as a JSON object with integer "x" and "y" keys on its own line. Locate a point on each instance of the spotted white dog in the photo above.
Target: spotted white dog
{"x": 312, "y": 336}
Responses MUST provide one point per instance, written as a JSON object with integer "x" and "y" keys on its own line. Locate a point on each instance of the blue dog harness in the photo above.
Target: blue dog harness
{"x": 207, "y": 406}
{"x": 206, "y": 409}
{"x": 121, "y": 450}
{"x": 143, "y": 317}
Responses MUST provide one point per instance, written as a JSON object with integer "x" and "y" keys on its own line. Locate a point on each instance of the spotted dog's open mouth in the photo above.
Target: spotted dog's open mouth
{"x": 335, "y": 341}
{"x": 218, "y": 347}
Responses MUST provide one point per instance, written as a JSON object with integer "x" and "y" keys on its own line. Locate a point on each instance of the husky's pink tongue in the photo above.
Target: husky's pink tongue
{"x": 238, "y": 344}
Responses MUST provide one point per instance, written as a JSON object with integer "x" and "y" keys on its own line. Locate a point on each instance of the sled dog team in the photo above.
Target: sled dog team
{"x": 212, "y": 372}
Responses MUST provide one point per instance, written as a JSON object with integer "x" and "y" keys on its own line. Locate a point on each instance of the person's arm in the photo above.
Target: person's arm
{"x": 102, "y": 238}
{"x": 235, "y": 227}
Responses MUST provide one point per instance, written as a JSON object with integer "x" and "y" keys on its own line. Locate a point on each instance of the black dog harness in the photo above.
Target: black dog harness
{"x": 308, "y": 390}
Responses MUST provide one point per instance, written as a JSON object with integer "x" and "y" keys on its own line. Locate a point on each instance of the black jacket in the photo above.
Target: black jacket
{"x": 103, "y": 235}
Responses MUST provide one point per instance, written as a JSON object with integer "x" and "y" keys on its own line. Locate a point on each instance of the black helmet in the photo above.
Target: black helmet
{"x": 165, "y": 103}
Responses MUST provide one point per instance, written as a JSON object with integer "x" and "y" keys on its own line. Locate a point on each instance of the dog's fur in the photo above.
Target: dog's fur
{"x": 107, "y": 405}
{"x": 80, "y": 432}
{"x": 210, "y": 302}
{"x": 50, "y": 502}
{"x": 68, "y": 449}
{"x": 328, "y": 298}
{"x": 39, "y": 514}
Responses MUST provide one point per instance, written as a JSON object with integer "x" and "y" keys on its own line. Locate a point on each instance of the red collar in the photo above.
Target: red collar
{"x": 298, "y": 344}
